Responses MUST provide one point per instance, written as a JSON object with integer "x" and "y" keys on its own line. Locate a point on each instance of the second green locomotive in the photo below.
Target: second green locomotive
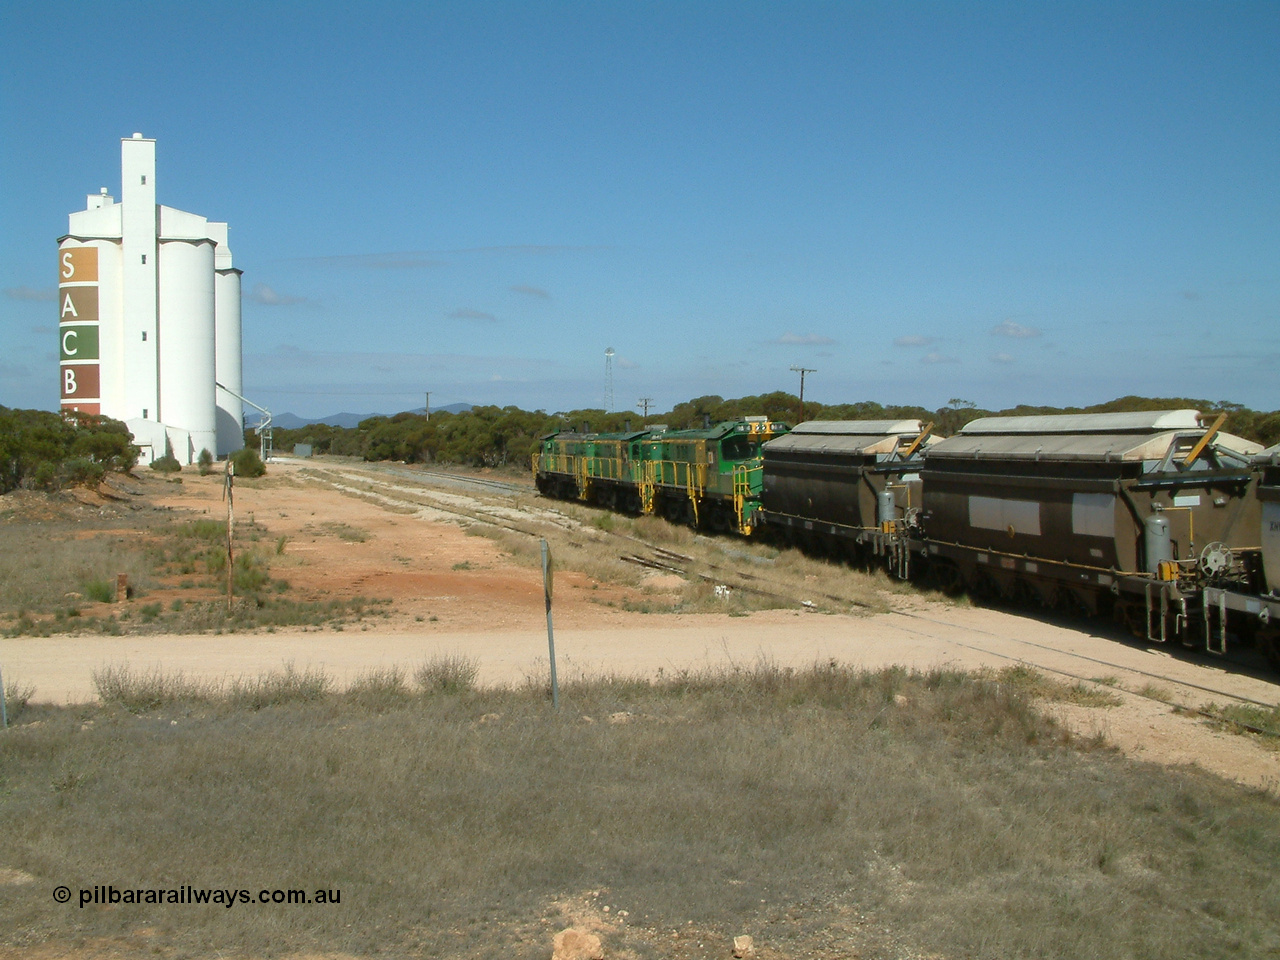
{"x": 710, "y": 477}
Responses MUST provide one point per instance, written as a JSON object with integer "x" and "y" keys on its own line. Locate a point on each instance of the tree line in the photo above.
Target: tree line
{"x": 44, "y": 450}
{"x": 491, "y": 436}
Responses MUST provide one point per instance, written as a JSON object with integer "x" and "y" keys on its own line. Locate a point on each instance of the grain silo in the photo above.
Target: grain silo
{"x": 149, "y": 317}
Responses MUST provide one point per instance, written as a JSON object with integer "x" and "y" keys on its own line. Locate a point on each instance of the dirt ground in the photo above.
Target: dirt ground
{"x": 454, "y": 592}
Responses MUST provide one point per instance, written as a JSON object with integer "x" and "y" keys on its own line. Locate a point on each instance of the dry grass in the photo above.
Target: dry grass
{"x": 1262, "y": 722}
{"x": 142, "y": 691}
{"x": 58, "y": 569}
{"x": 1034, "y": 683}
{"x": 758, "y": 576}
{"x": 343, "y": 531}
{"x": 59, "y": 561}
{"x": 826, "y": 812}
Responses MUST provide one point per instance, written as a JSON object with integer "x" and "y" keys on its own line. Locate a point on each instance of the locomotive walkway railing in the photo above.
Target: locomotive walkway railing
{"x": 744, "y": 492}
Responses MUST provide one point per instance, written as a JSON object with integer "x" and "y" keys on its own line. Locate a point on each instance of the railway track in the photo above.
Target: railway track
{"x": 671, "y": 562}
{"x": 441, "y": 478}
{"x": 1054, "y": 660}
{"x": 1091, "y": 677}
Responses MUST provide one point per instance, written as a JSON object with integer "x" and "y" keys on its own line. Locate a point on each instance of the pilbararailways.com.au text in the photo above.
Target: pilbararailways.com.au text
{"x": 110, "y": 894}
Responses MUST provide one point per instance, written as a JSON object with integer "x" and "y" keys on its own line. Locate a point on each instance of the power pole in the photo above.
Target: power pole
{"x": 428, "y": 406}
{"x": 643, "y": 403}
{"x": 802, "y": 371}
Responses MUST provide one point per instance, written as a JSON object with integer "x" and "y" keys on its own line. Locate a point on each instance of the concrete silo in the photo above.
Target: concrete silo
{"x": 149, "y": 317}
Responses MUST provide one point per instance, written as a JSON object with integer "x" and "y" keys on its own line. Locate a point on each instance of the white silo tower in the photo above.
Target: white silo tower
{"x": 150, "y": 317}
{"x": 228, "y": 358}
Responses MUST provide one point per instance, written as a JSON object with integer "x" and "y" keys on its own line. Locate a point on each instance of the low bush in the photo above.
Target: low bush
{"x": 166, "y": 464}
{"x": 100, "y": 591}
{"x": 279, "y": 687}
{"x": 447, "y": 673}
{"x": 16, "y": 697}
{"x": 379, "y": 688}
{"x": 247, "y": 463}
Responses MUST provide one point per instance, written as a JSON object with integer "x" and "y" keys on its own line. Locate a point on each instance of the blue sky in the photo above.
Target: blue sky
{"x": 1047, "y": 203}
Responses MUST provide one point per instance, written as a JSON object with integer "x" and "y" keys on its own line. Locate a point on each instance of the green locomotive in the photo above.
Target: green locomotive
{"x": 710, "y": 477}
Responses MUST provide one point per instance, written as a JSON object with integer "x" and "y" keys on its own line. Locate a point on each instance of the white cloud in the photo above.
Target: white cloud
{"x": 45, "y": 295}
{"x": 265, "y": 295}
{"x": 804, "y": 340}
{"x": 1013, "y": 330}
{"x": 915, "y": 340}
{"x": 1003, "y": 358}
{"x": 536, "y": 292}
{"x": 933, "y": 356}
{"x": 466, "y": 313}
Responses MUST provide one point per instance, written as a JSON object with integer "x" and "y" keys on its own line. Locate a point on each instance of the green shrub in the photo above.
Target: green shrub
{"x": 212, "y": 530}
{"x": 247, "y": 463}
{"x": 166, "y": 464}
{"x": 82, "y": 472}
{"x": 44, "y": 450}
{"x": 100, "y": 591}
{"x": 252, "y": 573}
{"x": 205, "y": 462}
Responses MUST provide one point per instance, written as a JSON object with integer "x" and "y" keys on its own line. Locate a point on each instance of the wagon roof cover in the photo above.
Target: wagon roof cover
{"x": 1146, "y": 435}
{"x": 861, "y": 428}
{"x": 1137, "y": 422}
{"x": 848, "y": 437}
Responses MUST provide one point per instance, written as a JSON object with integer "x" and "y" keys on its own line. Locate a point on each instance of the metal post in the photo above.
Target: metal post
{"x": 427, "y": 408}
{"x": 551, "y": 638}
{"x": 231, "y": 519}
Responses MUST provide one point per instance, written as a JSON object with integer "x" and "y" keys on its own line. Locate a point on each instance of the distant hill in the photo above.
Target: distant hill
{"x": 289, "y": 421}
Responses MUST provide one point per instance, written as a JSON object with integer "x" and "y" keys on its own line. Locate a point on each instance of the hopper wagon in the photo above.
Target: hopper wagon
{"x": 846, "y": 487}
{"x": 1132, "y": 512}
{"x": 1250, "y": 607}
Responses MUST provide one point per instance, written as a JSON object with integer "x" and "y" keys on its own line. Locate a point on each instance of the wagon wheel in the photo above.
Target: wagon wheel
{"x": 1269, "y": 640}
{"x": 1071, "y": 602}
{"x": 719, "y": 518}
{"x": 945, "y": 577}
{"x": 1124, "y": 613}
